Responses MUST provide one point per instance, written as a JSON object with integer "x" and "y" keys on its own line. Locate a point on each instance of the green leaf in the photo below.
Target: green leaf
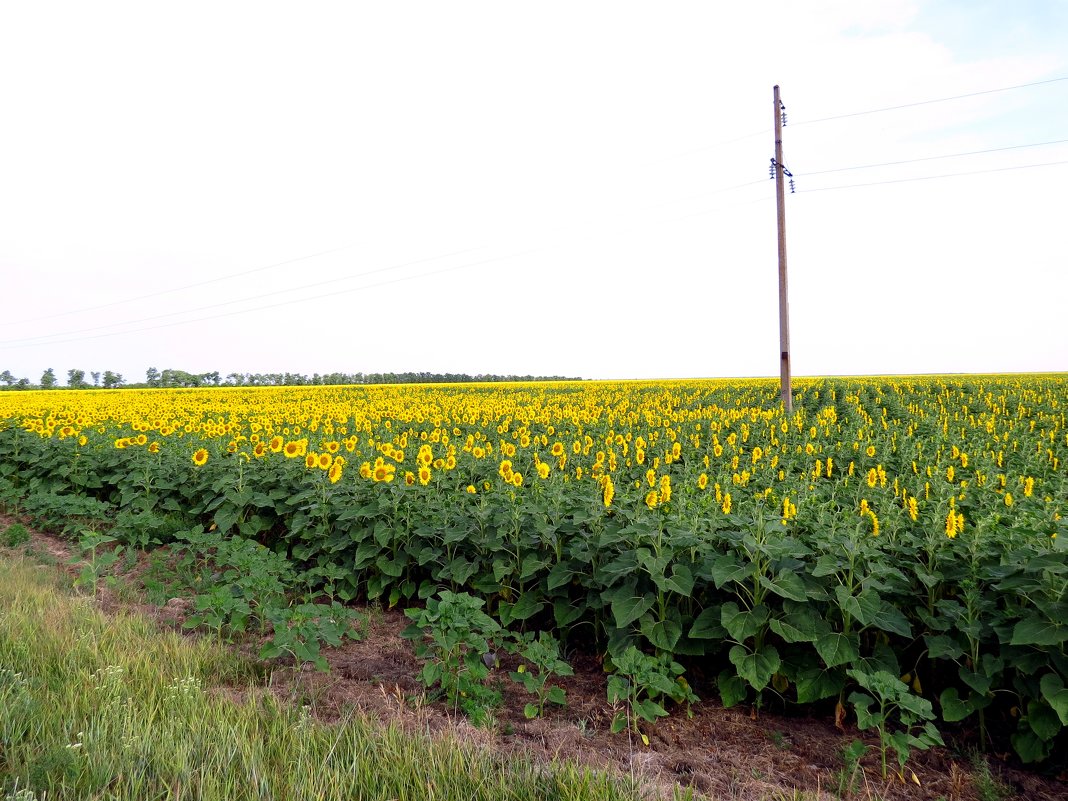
{"x": 789, "y": 632}
{"x": 757, "y": 667}
{"x": 629, "y": 608}
{"x": 977, "y": 681}
{"x": 681, "y": 581}
{"x": 835, "y": 648}
{"x": 565, "y": 612}
{"x": 743, "y": 625}
{"x": 787, "y": 585}
{"x": 530, "y": 711}
{"x": 527, "y": 606}
{"x": 663, "y": 635}
{"x": 815, "y": 684}
{"x": 707, "y": 625}
{"x": 1043, "y": 720}
{"x": 953, "y": 707}
{"x": 1056, "y": 695}
{"x": 1029, "y": 746}
{"x": 732, "y": 689}
{"x": 942, "y": 646}
{"x": 649, "y": 710}
{"x": 727, "y": 569}
{"x": 1038, "y": 631}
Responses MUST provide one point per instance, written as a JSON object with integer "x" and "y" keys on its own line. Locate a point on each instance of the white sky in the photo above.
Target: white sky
{"x": 528, "y": 188}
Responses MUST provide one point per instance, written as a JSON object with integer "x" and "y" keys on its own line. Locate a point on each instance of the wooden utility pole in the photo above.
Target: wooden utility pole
{"x": 784, "y": 301}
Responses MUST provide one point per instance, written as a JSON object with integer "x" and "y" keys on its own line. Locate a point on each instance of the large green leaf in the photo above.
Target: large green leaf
{"x": 756, "y": 667}
{"x": 708, "y": 625}
{"x": 836, "y": 648}
{"x": 786, "y": 585}
{"x": 663, "y": 634}
{"x": 732, "y": 688}
{"x": 628, "y": 608}
{"x": 741, "y": 625}
{"x": 1056, "y": 695}
{"x": 1038, "y": 631}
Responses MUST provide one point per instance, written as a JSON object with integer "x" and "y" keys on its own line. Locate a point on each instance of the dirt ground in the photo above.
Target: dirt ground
{"x": 720, "y": 753}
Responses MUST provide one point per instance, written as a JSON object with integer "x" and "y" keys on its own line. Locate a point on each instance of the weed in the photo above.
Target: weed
{"x": 459, "y": 635}
{"x": 15, "y": 535}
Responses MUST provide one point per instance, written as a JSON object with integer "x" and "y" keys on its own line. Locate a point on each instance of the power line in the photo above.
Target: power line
{"x": 24, "y": 344}
{"x": 232, "y": 302}
{"x": 156, "y": 316}
{"x": 216, "y": 280}
{"x": 935, "y": 177}
{"x": 929, "y": 102}
{"x": 935, "y": 158}
{"x": 277, "y": 305}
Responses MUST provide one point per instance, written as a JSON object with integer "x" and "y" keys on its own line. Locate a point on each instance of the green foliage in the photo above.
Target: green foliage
{"x": 642, "y": 683}
{"x": 542, "y": 661}
{"x": 848, "y": 776}
{"x": 300, "y": 631}
{"x": 779, "y": 609}
{"x": 95, "y": 560}
{"x": 453, "y": 634}
{"x": 15, "y": 535}
{"x": 884, "y": 698}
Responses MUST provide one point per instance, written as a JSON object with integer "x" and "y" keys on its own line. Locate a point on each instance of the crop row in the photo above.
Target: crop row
{"x": 897, "y": 546}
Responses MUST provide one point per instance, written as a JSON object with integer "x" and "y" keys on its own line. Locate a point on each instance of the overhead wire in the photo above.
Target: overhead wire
{"x": 169, "y": 290}
{"x": 313, "y": 285}
{"x": 334, "y": 294}
{"x": 53, "y": 338}
{"x": 934, "y": 177}
{"x": 935, "y": 158}
{"x": 927, "y": 102}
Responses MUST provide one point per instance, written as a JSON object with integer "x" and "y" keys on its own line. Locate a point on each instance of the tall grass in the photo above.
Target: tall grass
{"x": 112, "y": 708}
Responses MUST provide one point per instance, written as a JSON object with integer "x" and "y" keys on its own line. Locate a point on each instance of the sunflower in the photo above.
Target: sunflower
{"x": 276, "y": 444}
{"x": 517, "y": 479}
{"x": 335, "y": 472}
{"x": 651, "y": 499}
{"x": 292, "y": 450}
{"x": 153, "y": 448}
{"x": 702, "y": 481}
{"x": 333, "y": 446}
{"x": 324, "y": 461}
{"x": 365, "y": 470}
{"x": 200, "y": 458}
{"x": 409, "y": 477}
{"x": 259, "y": 450}
{"x": 311, "y": 460}
{"x": 424, "y": 475}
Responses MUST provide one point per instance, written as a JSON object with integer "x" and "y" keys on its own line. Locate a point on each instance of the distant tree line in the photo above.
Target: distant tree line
{"x": 76, "y": 379}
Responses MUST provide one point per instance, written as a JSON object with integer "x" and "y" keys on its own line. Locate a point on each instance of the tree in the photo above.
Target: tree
{"x": 7, "y": 378}
{"x": 96, "y": 378}
{"x": 48, "y": 379}
{"x": 152, "y": 377}
{"x": 76, "y": 379}
{"x": 113, "y": 380}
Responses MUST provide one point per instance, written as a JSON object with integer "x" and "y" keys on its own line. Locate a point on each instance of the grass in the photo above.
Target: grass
{"x": 101, "y": 707}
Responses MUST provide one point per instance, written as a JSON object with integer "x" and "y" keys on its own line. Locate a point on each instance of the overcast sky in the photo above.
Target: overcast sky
{"x": 570, "y": 188}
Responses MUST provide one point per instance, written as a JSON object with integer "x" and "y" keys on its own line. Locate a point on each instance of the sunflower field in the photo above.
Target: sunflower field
{"x": 895, "y": 546}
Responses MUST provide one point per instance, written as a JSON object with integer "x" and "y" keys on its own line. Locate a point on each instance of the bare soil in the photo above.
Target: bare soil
{"x": 721, "y": 753}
